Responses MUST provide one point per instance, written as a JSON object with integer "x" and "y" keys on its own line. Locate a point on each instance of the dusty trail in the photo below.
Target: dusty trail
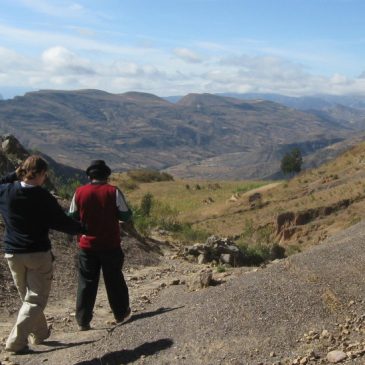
{"x": 144, "y": 283}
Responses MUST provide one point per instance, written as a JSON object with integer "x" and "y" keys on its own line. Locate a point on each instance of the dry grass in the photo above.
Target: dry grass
{"x": 191, "y": 199}
{"x": 207, "y": 204}
{"x": 331, "y": 301}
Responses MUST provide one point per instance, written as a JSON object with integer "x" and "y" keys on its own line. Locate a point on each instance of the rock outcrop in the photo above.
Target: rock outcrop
{"x": 288, "y": 223}
{"x": 216, "y": 249}
{"x": 12, "y": 153}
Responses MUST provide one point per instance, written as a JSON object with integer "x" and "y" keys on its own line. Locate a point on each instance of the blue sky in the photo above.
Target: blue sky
{"x": 175, "y": 47}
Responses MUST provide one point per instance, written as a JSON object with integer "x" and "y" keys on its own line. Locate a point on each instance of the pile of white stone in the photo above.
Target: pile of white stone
{"x": 215, "y": 250}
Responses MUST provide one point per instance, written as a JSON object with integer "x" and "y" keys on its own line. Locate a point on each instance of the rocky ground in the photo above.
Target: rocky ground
{"x": 306, "y": 309}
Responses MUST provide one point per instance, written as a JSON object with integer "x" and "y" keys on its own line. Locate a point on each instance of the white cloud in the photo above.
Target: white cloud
{"x": 211, "y": 46}
{"x": 42, "y": 39}
{"x": 60, "y": 59}
{"x": 83, "y": 32}
{"x": 10, "y": 59}
{"x": 339, "y": 85}
{"x": 340, "y": 80}
{"x": 119, "y": 68}
{"x": 58, "y": 9}
{"x": 187, "y": 55}
{"x": 61, "y": 67}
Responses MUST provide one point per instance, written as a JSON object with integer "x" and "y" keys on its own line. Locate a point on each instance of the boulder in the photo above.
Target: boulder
{"x": 12, "y": 153}
{"x": 203, "y": 258}
{"x": 226, "y": 258}
{"x": 255, "y": 200}
{"x": 336, "y": 356}
{"x": 216, "y": 249}
{"x": 201, "y": 280}
{"x": 11, "y": 146}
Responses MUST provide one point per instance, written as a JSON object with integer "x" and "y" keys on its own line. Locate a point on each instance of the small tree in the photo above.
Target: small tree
{"x": 292, "y": 161}
{"x": 146, "y": 204}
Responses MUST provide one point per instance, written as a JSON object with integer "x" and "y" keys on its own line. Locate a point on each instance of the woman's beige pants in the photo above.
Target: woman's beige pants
{"x": 32, "y": 274}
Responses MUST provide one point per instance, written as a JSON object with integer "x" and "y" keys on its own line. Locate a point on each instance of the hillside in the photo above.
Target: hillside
{"x": 221, "y": 137}
{"x": 297, "y": 214}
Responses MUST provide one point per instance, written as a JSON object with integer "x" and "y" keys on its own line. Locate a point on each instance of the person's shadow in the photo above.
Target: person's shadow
{"x": 156, "y": 312}
{"x": 136, "y": 317}
{"x": 129, "y": 356}
{"x": 116, "y": 357}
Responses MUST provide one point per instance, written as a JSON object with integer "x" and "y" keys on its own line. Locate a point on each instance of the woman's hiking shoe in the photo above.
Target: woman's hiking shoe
{"x": 23, "y": 351}
{"x": 125, "y": 318}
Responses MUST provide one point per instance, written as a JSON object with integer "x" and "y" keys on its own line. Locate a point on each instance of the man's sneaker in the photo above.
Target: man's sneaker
{"x": 38, "y": 341}
{"x": 125, "y": 318}
{"x": 85, "y": 327}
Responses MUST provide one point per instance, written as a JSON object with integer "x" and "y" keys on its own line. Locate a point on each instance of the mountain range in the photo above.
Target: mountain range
{"x": 200, "y": 135}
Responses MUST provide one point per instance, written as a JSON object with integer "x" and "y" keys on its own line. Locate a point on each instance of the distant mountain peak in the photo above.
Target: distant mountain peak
{"x": 91, "y": 92}
{"x": 204, "y": 99}
{"x": 143, "y": 97}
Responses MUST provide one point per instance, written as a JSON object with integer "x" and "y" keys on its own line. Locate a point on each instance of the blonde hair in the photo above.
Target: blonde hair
{"x": 32, "y": 166}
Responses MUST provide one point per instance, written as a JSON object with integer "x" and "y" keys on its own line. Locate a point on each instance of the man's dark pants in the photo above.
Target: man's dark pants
{"x": 90, "y": 264}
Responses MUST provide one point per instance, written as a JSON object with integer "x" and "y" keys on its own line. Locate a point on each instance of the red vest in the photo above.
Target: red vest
{"x": 97, "y": 207}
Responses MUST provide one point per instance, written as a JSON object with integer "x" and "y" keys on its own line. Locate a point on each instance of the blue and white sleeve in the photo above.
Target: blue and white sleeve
{"x": 124, "y": 212}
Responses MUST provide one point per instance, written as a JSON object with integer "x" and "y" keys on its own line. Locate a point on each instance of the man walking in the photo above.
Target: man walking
{"x": 101, "y": 206}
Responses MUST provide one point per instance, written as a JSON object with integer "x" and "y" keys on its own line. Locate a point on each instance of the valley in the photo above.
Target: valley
{"x": 202, "y": 135}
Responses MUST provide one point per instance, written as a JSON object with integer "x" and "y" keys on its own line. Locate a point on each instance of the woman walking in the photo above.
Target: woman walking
{"x": 29, "y": 212}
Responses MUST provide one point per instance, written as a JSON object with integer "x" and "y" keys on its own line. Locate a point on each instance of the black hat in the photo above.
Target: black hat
{"x": 98, "y": 167}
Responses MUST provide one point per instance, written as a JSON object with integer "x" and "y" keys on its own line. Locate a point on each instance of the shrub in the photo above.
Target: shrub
{"x": 263, "y": 234}
{"x": 67, "y": 190}
{"x": 148, "y": 175}
{"x": 143, "y": 224}
{"x": 128, "y": 184}
{"x": 254, "y": 254}
{"x": 221, "y": 268}
{"x": 292, "y": 161}
{"x": 249, "y": 186}
{"x": 152, "y": 214}
{"x": 257, "y": 254}
{"x": 277, "y": 252}
{"x": 146, "y": 204}
{"x": 186, "y": 233}
{"x": 249, "y": 230}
